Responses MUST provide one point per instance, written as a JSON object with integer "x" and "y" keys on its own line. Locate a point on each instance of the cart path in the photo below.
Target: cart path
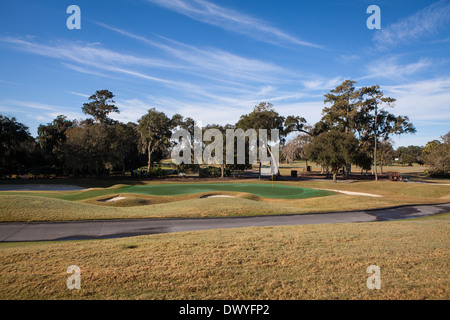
{"x": 105, "y": 229}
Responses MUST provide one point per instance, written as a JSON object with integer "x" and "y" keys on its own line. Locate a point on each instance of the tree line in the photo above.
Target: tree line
{"x": 354, "y": 129}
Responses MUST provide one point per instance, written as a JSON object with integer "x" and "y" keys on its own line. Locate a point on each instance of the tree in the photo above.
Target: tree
{"x": 87, "y": 149}
{"x": 16, "y": 146}
{"x": 362, "y": 159}
{"x": 386, "y": 153}
{"x": 295, "y": 149}
{"x": 101, "y": 105}
{"x": 154, "y": 130}
{"x": 296, "y": 123}
{"x": 409, "y": 154}
{"x": 189, "y": 125}
{"x": 97, "y": 145}
{"x": 438, "y": 158}
{"x": 362, "y": 112}
{"x": 264, "y": 116}
{"x": 380, "y": 123}
{"x": 123, "y": 145}
{"x": 430, "y": 146}
{"x": 291, "y": 151}
{"x": 222, "y": 130}
{"x": 51, "y": 138}
{"x": 333, "y": 150}
{"x": 343, "y": 113}
{"x": 344, "y": 109}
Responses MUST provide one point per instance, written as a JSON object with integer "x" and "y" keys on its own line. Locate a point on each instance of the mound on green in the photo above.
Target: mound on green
{"x": 264, "y": 190}
{"x": 261, "y": 190}
{"x": 29, "y": 208}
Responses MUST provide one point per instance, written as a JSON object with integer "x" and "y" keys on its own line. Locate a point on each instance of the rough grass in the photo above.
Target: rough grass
{"x": 285, "y": 262}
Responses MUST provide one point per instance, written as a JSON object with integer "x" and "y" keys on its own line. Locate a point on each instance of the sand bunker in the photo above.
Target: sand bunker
{"x": 355, "y": 193}
{"x": 217, "y": 196}
{"x": 112, "y": 199}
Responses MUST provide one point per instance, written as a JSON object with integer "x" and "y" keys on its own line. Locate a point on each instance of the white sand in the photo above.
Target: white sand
{"x": 354, "y": 193}
{"x": 113, "y": 199}
{"x": 218, "y": 196}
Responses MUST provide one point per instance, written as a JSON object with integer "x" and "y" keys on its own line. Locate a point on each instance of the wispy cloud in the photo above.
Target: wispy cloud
{"x": 90, "y": 58}
{"x": 43, "y": 112}
{"x": 391, "y": 68}
{"x": 88, "y": 54}
{"x": 212, "y": 63}
{"x": 426, "y": 100}
{"x": 322, "y": 84}
{"x": 348, "y": 58}
{"x": 79, "y": 94}
{"x": 424, "y": 22}
{"x": 21, "y": 105}
{"x": 228, "y": 19}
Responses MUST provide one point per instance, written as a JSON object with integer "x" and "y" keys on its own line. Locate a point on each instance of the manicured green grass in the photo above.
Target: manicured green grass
{"x": 272, "y": 190}
{"x": 285, "y": 262}
{"x": 261, "y": 190}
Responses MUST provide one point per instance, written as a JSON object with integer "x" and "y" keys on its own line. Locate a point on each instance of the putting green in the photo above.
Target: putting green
{"x": 261, "y": 190}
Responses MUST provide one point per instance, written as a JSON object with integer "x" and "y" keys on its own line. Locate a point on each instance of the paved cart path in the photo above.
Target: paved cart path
{"x": 77, "y": 230}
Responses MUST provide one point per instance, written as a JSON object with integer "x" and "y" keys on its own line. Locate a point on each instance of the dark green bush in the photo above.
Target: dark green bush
{"x": 157, "y": 173}
{"x": 213, "y": 172}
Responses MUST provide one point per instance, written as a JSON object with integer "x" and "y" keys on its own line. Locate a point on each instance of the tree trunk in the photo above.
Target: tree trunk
{"x": 260, "y": 170}
{"x": 149, "y": 164}
{"x": 375, "y": 147}
{"x": 334, "y": 177}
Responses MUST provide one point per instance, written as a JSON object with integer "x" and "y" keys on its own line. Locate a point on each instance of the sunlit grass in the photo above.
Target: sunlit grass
{"x": 86, "y": 205}
{"x": 284, "y": 262}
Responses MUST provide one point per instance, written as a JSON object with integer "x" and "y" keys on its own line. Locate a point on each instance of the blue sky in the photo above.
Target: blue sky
{"x": 214, "y": 60}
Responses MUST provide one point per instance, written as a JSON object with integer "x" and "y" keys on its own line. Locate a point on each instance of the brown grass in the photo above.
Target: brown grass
{"x": 286, "y": 262}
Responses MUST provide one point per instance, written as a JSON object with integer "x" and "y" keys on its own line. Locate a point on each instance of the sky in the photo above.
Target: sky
{"x": 214, "y": 60}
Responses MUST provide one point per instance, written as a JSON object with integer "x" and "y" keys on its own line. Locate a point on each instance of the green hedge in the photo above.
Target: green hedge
{"x": 213, "y": 172}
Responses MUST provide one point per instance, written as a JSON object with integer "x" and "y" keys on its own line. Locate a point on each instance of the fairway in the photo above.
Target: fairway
{"x": 260, "y": 190}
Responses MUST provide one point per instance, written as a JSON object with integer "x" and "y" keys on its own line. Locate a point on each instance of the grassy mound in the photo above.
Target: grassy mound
{"x": 31, "y": 208}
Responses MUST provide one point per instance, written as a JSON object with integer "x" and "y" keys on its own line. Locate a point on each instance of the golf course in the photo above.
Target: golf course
{"x": 166, "y": 199}
{"x": 323, "y": 261}
{"x": 246, "y": 152}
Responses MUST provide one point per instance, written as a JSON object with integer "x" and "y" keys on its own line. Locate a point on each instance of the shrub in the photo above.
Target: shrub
{"x": 157, "y": 173}
{"x": 213, "y": 172}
